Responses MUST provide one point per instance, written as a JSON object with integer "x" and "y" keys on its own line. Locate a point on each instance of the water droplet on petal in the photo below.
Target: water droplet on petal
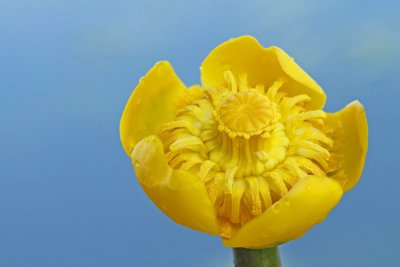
{"x": 275, "y": 208}
{"x": 141, "y": 128}
{"x": 160, "y": 70}
{"x": 226, "y": 66}
{"x": 136, "y": 164}
{"x": 138, "y": 101}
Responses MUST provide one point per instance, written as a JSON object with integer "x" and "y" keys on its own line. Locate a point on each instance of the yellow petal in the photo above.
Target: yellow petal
{"x": 308, "y": 203}
{"x": 262, "y": 65}
{"x": 150, "y": 104}
{"x": 179, "y": 194}
{"x": 353, "y": 141}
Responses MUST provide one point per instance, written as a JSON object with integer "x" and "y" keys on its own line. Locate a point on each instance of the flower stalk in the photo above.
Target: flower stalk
{"x": 267, "y": 257}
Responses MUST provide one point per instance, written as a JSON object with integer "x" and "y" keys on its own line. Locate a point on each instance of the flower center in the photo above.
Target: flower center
{"x": 248, "y": 145}
{"x": 244, "y": 114}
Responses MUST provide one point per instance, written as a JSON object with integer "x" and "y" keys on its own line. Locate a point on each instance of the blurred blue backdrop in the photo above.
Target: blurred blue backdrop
{"x": 68, "y": 195}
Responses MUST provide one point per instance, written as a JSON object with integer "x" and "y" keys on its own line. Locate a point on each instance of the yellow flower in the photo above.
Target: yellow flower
{"x": 249, "y": 155}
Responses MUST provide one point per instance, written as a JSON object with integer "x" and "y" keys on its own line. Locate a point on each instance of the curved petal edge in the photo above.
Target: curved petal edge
{"x": 151, "y": 103}
{"x": 179, "y": 194}
{"x": 351, "y": 122}
{"x": 262, "y": 65}
{"x": 307, "y": 204}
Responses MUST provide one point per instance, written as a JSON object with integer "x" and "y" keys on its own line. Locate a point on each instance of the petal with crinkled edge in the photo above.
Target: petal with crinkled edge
{"x": 262, "y": 65}
{"x": 151, "y": 103}
{"x": 178, "y": 193}
{"x": 352, "y": 124}
{"x": 308, "y": 203}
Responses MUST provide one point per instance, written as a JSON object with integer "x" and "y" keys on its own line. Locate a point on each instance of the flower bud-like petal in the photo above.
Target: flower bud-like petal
{"x": 350, "y": 129}
{"x": 178, "y": 193}
{"x": 308, "y": 203}
{"x": 263, "y": 66}
{"x": 150, "y": 104}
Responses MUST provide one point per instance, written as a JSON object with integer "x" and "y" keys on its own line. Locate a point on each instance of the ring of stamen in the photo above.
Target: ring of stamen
{"x": 283, "y": 143}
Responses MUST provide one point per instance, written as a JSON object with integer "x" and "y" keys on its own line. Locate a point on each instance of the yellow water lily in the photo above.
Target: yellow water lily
{"x": 249, "y": 155}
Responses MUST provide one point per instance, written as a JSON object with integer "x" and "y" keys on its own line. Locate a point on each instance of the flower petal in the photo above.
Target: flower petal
{"x": 353, "y": 140}
{"x": 179, "y": 194}
{"x": 150, "y": 104}
{"x": 262, "y": 65}
{"x": 308, "y": 203}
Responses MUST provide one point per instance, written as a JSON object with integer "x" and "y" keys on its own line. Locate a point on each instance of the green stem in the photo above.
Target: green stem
{"x": 267, "y": 257}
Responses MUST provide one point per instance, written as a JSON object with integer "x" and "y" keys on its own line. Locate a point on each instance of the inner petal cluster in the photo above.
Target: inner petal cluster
{"x": 249, "y": 145}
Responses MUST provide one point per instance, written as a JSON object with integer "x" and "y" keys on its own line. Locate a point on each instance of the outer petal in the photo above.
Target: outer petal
{"x": 179, "y": 194}
{"x": 308, "y": 203}
{"x": 262, "y": 65}
{"x": 150, "y": 104}
{"x": 351, "y": 121}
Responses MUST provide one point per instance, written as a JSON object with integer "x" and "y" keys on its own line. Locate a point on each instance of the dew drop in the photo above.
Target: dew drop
{"x": 138, "y": 101}
{"x": 160, "y": 70}
{"x": 276, "y": 207}
{"x": 226, "y": 66}
{"x": 136, "y": 164}
{"x": 288, "y": 202}
{"x": 141, "y": 128}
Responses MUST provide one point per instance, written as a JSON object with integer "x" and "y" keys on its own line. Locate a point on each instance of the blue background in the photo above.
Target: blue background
{"x": 68, "y": 195}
